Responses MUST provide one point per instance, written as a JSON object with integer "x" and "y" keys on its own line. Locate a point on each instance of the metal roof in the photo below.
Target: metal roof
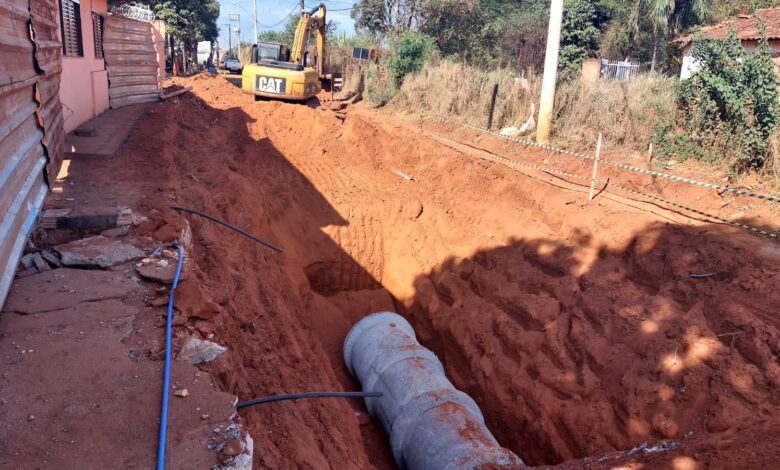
{"x": 747, "y": 27}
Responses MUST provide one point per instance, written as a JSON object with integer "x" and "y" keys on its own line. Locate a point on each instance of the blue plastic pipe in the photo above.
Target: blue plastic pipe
{"x": 167, "y": 373}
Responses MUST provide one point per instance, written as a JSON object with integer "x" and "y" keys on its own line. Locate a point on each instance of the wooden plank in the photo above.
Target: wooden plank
{"x": 130, "y": 90}
{"x": 175, "y": 93}
{"x": 67, "y": 219}
{"x": 127, "y": 80}
{"x": 133, "y": 99}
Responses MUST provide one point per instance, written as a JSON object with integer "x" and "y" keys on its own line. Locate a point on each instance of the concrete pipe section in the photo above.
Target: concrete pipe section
{"x": 431, "y": 424}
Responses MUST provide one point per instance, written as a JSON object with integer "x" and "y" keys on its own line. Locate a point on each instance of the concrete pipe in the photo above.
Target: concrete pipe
{"x": 431, "y": 424}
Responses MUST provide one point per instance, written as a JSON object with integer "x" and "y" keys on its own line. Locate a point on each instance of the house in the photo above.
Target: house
{"x": 747, "y": 28}
{"x": 62, "y": 62}
{"x": 84, "y": 79}
{"x": 91, "y": 39}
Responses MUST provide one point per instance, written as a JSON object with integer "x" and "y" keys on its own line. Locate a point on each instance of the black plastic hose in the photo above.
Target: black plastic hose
{"x": 230, "y": 226}
{"x": 295, "y": 396}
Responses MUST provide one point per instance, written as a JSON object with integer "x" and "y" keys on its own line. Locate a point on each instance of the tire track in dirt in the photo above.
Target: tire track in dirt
{"x": 577, "y": 333}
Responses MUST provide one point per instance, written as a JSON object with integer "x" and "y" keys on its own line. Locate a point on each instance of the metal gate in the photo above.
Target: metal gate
{"x": 131, "y": 61}
{"x": 620, "y": 70}
{"x": 31, "y": 133}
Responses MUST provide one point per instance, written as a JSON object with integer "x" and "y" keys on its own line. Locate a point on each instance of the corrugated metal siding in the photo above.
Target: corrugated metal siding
{"x": 48, "y": 58}
{"x": 30, "y": 121}
{"x": 131, "y": 61}
{"x": 15, "y": 46}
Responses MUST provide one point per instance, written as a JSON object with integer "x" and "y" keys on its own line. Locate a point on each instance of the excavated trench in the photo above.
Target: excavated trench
{"x": 574, "y": 327}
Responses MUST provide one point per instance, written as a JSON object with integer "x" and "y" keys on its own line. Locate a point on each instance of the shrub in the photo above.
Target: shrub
{"x": 379, "y": 90}
{"x": 728, "y": 110}
{"x": 408, "y": 55}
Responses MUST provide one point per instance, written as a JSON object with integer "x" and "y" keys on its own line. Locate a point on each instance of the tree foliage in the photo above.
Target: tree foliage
{"x": 287, "y": 35}
{"x": 486, "y": 32}
{"x": 730, "y": 107}
{"x": 381, "y": 17}
{"x": 194, "y": 20}
{"x": 579, "y": 34}
{"x": 408, "y": 55}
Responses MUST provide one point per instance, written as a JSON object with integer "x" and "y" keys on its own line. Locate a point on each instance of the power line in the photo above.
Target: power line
{"x": 282, "y": 20}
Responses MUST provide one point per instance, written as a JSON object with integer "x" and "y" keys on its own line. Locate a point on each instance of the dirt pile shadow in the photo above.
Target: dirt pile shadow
{"x": 259, "y": 304}
{"x": 571, "y": 355}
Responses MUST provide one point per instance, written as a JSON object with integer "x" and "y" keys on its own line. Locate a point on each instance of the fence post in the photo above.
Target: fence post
{"x": 492, "y": 106}
{"x": 595, "y": 169}
{"x": 650, "y": 153}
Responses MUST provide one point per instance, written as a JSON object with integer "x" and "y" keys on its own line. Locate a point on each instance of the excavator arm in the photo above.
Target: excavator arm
{"x": 312, "y": 20}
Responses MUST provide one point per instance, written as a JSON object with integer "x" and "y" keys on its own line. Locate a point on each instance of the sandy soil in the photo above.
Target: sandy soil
{"x": 575, "y": 326}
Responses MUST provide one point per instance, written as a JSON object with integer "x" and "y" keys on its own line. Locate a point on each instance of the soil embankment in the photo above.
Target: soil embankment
{"x": 575, "y": 326}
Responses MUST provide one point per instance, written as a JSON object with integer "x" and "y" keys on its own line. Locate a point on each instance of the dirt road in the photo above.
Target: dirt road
{"x": 575, "y": 326}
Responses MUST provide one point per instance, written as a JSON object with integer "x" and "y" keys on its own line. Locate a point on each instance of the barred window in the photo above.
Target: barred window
{"x": 97, "y": 27}
{"x": 71, "y": 28}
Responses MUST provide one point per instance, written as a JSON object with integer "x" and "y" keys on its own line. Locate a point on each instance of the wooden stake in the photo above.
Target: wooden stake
{"x": 492, "y": 106}
{"x": 650, "y": 153}
{"x": 595, "y": 169}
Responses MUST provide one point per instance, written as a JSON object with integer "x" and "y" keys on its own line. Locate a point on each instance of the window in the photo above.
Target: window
{"x": 97, "y": 27}
{"x": 269, "y": 51}
{"x": 71, "y": 28}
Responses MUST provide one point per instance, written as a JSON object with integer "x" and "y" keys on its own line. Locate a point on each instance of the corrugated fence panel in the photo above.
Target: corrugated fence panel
{"x": 22, "y": 159}
{"x": 48, "y": 58}
{"x": 51, "y": 117}
{"x": 30, "y": 117}
{"x": 15, "y": 46}
{"x": 131, "y": 61}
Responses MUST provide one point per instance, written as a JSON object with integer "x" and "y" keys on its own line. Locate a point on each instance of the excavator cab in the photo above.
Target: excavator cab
{"x": 271, "y": 51}
{"x": 286, "y": 73}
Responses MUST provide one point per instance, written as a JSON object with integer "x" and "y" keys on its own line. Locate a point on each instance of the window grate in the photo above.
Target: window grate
{"x": 97, "y": 27}
{"x": 71, "y": 28}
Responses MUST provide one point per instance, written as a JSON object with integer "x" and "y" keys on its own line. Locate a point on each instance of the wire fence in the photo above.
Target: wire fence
{"x": 516, "y": 163}
{"x": 133, "y": 12}
{"x": 704, "y": 184}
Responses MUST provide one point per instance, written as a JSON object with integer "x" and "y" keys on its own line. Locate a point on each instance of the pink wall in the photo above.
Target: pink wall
{"x": 84, "y": 81}
{"x": 158, "y": 32}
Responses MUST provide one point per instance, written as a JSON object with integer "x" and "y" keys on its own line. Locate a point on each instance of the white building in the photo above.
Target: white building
{"x": 747, "y": 27}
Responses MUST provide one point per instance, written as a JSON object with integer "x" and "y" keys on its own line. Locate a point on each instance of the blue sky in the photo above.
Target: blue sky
{"x": 272, "y": 14}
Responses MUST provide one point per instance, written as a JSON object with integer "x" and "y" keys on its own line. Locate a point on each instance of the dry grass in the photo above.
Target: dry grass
{"x": 772, "y": 167}
{"x": 448, "y": 88}
{"x": 627, "y": 114}
{"x": 245, "y": 55}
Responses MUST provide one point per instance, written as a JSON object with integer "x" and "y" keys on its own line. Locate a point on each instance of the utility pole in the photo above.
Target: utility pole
{"x": 236, "y": 18}
{"x": 303, "y": 7}
{"x": 230, "y": 37}
{"x": 254, "y": 41}
{"x": 550, "y": 72}
{"x": 254, "y": 16}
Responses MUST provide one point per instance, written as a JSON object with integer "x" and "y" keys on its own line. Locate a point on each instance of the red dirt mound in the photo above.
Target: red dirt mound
{"x": 574, "y": 325}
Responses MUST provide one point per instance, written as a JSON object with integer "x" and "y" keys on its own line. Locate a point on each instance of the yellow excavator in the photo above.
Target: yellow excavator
{"x": 291, "y": 74}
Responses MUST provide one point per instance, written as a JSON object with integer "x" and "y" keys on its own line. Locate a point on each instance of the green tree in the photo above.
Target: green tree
{"x": 730, "y": 108}
{"x": 670, "y": 17}
{"x": 188, "y": 21}
{"x": 725, "y": 9}
{"x": 408, "y": 55}
{"x": 579, "y": 34}
{"x": 287, "y": 35}
{"x": 457, "y": 27}
{"x": 380, "y": 17}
